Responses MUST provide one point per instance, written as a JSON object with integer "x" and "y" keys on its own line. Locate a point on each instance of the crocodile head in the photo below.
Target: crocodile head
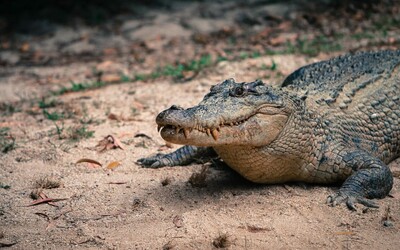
{"x": 251, "y": 114}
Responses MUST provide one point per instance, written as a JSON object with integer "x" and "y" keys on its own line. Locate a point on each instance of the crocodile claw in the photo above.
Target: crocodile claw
{"x": 151, "y": 162}
{"x": 350, "y": 199}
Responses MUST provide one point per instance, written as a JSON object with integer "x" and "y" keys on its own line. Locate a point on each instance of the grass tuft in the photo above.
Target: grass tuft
{"x": 7, "y": 141}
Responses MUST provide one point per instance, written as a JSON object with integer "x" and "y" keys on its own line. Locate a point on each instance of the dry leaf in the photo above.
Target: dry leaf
{"x": 178, "y": 221}
{"x": 109, "y": 142}
{"x": 256, "y": 229}
{"x": 113, "y": 165}
{"x": 119, "y": 118}
{"x": 110, "y": 51}
{"x": 137, "y": 105}
{"x": 115, "y": 117}
{"x": 285, "y": 26}
{"x": 91, "y": 163}
{"x": 142, "y": 135}
{"x": 345, "y": 233}
{"x": 43, "y": 215}
{"x": 188, "y": 75}
{"x": 283, "y": 38}
{"x": 25, "y": 47}
{"x": 110, "y": 78}
{"x": 5, "y": 45}
{"x": 104, "y": 66}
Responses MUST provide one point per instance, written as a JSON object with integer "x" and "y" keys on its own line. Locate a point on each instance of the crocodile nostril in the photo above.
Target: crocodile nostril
{"x": 162, "y": 115}
{"x": 175, "y": 107}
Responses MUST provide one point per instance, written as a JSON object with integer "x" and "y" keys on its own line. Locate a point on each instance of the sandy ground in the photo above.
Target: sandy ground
{"x": 130, "y": 207}
{"x": 125, "y": 206}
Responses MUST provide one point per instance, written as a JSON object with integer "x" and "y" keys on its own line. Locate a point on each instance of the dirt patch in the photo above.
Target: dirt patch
{"x": 131, "y": 207}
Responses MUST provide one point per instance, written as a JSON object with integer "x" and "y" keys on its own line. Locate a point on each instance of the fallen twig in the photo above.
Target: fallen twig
{"x": 45, "y": 200}
{"x": 117, "y": 182}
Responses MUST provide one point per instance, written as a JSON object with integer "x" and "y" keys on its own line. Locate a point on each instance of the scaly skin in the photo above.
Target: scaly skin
{"x": 332, "y": 121}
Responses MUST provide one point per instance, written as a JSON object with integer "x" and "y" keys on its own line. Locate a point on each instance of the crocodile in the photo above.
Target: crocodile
{"x": 334, "y": 121}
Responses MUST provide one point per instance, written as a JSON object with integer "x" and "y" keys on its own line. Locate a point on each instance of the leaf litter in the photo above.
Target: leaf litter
{"x": 90, "y": 163}
{"x": 113, "y": 165}
{"x": 109, "y": 142}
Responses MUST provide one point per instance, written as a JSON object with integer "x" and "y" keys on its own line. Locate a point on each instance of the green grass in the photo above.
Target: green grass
{"x": 43, "y": 104}
{"x": 87, "y": 119}
{"x": 274, "y": 66}
{"x": 255, "y": 54}
{"x": 177, "y": 71}
{"x": 7, "y": 109}
{"x": 74, "y": 133}
{"x": 53, "y": 116}
{"x": 386, "y": 23}
{"x": 243, "y": 55}
{"x": 59, "y": 130}
{"x": 194, "y": 65}
{"x": 125, "y": 78}
{"x": 80, "y": 132}
{"x": 363, "y": 35}
{"x": 174, "y": 71}
{"x": 197, "y": 65}
{"x": 77, "y": 87}
{"x": 7, "y": 141}
{"x": 140, "y": 77}
{"x": 310, "y": 47}
{"x": 221, "y": 59}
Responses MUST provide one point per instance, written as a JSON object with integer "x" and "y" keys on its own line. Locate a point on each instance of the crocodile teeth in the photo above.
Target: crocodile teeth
{"x": 186, "y": 132}
{"x": 215, "y": 134}
{"x": 208, "y": 131}
{"x": 177, "y": 129}
{"x": 159, "y": 127}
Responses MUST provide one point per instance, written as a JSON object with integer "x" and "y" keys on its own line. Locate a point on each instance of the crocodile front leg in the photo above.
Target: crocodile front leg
{"x": 182, "y": 156}
{"x": 371, "y": 179}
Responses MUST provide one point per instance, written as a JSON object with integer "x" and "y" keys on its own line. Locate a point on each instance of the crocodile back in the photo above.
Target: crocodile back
{"x": 357, "y": 98}
{"x": 343, "y": 77}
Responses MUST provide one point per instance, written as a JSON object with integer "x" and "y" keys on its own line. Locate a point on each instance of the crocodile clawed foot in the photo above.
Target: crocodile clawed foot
{"x": 151, "y": 162}
{"x": 351, "y": 199}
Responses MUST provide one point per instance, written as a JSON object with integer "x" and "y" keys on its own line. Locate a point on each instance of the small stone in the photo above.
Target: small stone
{"x": 80, "y": 47}
{"x": 9, "y": 57}
{"x": 167, "y": 30}
{"x": 388, "y": 223}
{"x": 130, "y": 25}
{"x": 203, "y": 25}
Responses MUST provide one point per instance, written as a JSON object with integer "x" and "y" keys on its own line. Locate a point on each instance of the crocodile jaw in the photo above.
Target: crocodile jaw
{"x": 257, "y": 130}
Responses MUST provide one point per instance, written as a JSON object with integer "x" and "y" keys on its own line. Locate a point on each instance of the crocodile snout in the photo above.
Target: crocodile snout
{"x": 175, "y": 116}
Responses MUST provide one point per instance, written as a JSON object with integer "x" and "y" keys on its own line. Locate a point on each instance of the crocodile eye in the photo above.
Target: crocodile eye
{"x": 238, "y": 91}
